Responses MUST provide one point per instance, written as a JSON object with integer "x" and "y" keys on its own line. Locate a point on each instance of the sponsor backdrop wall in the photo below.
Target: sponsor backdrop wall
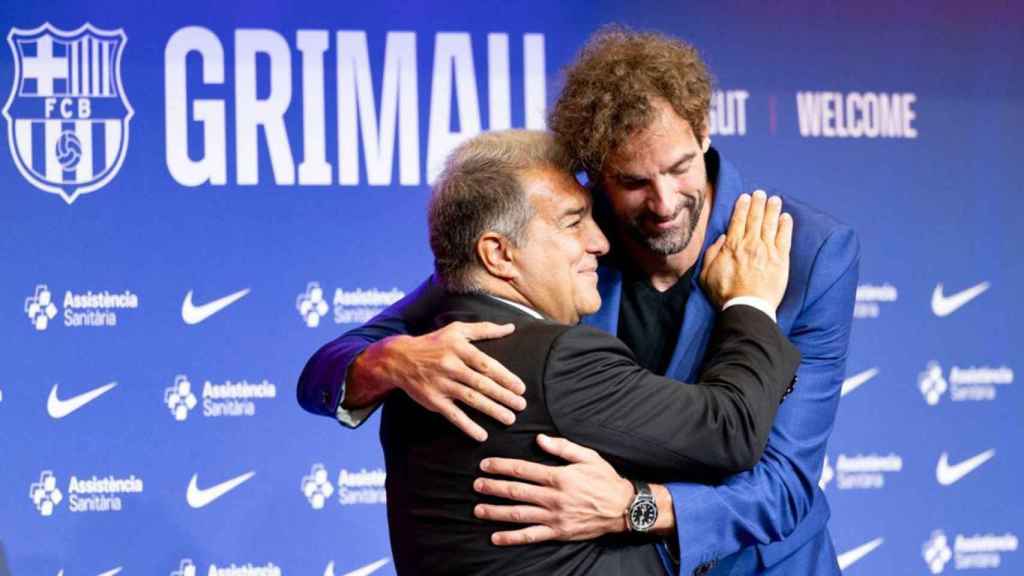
{"x": 195, "y": 196}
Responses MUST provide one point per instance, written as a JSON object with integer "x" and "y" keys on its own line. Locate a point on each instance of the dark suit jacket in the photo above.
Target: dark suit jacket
{"x": 582, "y": 384}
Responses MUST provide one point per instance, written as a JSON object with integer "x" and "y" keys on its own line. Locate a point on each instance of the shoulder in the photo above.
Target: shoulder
{"x": 585, "y": 365}
{"x": 814, "y": 228}
{"x": 824, "y": 268}
{"x": 824, "y": 248}
{"x": 587, "y": 336}
{"x": 584, "y": 348}
{"x": 816, "y": 234}
{"x": 532, "y": 340}
{"x": 542, "y": 331}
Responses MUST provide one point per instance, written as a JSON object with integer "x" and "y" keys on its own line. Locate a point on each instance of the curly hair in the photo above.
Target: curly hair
{"x": 609, "y": 90}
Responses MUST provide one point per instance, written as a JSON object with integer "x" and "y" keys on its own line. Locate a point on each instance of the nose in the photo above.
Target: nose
{"x": 597, "y": 243}
{"x": 661, "y": 197}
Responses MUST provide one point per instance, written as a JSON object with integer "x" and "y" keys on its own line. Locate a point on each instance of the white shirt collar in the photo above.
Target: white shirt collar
{"x": 522, "y": 307}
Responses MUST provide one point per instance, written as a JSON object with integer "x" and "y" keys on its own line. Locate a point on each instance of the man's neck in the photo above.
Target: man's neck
{"x": 664, "y": 271}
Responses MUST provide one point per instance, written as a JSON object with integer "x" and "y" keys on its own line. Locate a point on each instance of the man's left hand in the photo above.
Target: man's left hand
{"x": 580, "y": 501}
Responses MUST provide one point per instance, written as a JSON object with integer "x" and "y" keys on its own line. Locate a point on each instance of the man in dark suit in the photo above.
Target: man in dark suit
{"x": 514, "y": 242}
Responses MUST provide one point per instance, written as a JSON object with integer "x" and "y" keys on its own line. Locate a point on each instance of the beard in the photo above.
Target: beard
{"x": 675, "y": 239}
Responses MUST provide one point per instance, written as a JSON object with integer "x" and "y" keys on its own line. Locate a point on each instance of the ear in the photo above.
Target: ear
{"x": 705, "y": 143}
{"x": 496, "y": 255}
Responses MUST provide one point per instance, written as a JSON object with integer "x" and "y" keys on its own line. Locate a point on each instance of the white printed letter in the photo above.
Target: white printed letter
{"x": 314, "y": 168}
{"x": 212, "y": 167}
{"x": 398, "y": 102}
{"x": 251, "y": 112}
{"x": 453, "y": 63}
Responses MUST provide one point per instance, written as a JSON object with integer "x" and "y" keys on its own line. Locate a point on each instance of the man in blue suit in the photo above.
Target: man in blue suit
{"x": 634, "y": 113}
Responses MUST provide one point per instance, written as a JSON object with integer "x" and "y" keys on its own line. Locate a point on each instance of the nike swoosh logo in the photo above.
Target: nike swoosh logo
{"x": 849, "y": 557}
{"x": 58, "y": 408}
{"x": 855, "y": 381}
{"x": 364, "y": 571}
{"x": 947, "y": 475}
{"x": 199, "y": 497}
{"x": 946, "y": 305}
{"x": 192, "y": 314}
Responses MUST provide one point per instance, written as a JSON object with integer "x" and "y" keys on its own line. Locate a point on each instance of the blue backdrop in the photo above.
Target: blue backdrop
{"x": 197, "y": 195}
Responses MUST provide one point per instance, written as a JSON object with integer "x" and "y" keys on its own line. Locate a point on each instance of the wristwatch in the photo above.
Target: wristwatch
{"x": 642, "y": 512}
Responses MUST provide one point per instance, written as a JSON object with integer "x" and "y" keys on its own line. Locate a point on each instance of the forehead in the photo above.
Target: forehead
{"x": 552, "y": 191}
{"x": 656, "y": 146}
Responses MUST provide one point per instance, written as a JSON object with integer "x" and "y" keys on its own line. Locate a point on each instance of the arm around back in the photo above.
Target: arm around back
{"x": 600, "y": 397}
{"x": 322, "y": 385}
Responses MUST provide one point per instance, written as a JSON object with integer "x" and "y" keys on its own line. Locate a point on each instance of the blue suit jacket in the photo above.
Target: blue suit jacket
{"x": 772, "y": 519}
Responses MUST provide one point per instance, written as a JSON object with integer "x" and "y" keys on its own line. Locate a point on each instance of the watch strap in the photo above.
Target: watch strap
{"x": 642, "y": 495}
{"x": 641, "y": 489}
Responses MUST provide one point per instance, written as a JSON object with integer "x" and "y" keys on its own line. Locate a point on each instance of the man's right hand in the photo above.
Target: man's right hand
{"x": 752, "y": 258}
{"x": 439, "y": 371}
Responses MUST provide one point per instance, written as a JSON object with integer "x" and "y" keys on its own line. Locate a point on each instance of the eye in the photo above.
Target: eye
{"x": 576, "y": 223}
{"x": 680, "y": 170}
{"x": 631, "y": 183}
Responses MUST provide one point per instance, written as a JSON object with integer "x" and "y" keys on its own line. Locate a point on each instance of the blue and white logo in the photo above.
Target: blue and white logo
{"x": 936, "y": 552}
{"x": 40, "y": 307}
{"x": 45, "y": 494}
{"x": 185, "y": 568}
{"x": 932, "y": 384}
{"x": 179, "y": 398}
{"x": 317, "y": 487}
{"x": 67, "y": 114}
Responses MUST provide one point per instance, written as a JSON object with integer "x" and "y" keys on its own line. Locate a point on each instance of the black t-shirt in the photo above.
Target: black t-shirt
{"x": 649, "y": 320}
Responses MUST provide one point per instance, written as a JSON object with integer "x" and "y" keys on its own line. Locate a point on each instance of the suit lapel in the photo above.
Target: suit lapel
{"x": 693, "y": 336}
{"x": 700, "y": 313}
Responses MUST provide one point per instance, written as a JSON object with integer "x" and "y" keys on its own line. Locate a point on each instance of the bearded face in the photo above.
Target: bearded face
{"x": 656, "y": 183}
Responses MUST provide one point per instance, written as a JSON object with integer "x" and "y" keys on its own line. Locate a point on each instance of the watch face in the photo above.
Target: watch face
{"x": 643, "y": 515}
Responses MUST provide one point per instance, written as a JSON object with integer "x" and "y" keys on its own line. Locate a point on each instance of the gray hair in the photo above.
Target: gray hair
{"x": 480, "y": 191}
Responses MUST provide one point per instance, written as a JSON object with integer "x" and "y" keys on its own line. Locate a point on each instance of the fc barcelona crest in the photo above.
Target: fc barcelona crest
{"x": 67, "y": 114}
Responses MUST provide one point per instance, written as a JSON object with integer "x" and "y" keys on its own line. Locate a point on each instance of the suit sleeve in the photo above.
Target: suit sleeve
{"x": 321, "y": 387}
{"x": 598, "y": 396}
{"x": 766, "y": 504}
